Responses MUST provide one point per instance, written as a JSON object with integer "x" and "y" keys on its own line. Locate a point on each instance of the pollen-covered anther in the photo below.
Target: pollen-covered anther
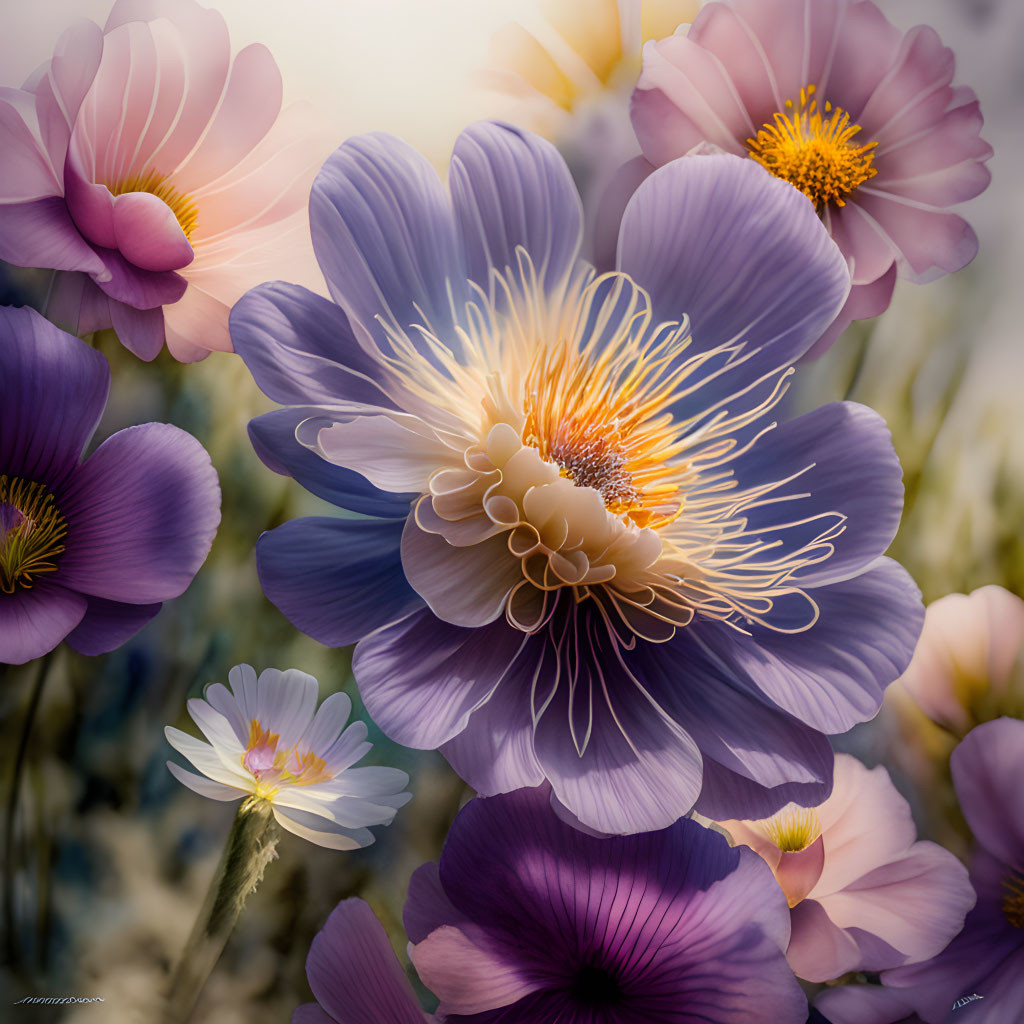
{"x": 32, "y": 533}
{"x": 794, "y": 829}
{"x": 274, "y": 767}
{"x": 814, "y": 150}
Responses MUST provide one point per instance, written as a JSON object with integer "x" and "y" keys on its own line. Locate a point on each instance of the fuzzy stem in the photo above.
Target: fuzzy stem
{"x": 251, "y": 846}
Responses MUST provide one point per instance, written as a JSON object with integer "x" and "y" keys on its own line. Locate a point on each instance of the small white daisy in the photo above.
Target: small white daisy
{"x": 267, "y": 740}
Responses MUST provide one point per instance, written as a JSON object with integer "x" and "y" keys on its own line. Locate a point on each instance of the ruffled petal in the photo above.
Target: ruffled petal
{"x": 336, "y": 579}
{"x": 142, "y": 514}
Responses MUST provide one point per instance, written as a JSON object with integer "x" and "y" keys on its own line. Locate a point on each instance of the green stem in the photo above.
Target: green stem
{"x": 251, "y": 846}
{"x": 11, "y": 811}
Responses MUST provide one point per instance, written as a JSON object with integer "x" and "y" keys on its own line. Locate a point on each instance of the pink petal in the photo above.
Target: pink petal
{"x": 865, "y": 300}
{"x": 818, "y": 949}
{"x": 24, "y": 163}
{"x": 148, "y": 233}
{"x": 196, "y": 325}
{"x": 799, "y": 870}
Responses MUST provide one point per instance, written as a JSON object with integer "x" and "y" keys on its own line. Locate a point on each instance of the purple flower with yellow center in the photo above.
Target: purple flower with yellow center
{"x": 987, "y": 958}
{"x": 268, "y": 741}
{"x": 89, "y": 549}
{"x": 831, "y": 97}
{"x": 528, "y": 919}
{"x": 594, "y": 558}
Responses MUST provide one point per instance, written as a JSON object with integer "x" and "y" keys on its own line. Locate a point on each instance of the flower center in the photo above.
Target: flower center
{"x": 1013, "y": 901}
{"x": 595, "y": 986}
{"x": 794, "y": 829}
{"x": 814, "y": 150}
{"x": 274, "y": 768}
{"x": 182, "y": 206}
{"x": 32, "y": 532}
{"x": 605, "y": 426}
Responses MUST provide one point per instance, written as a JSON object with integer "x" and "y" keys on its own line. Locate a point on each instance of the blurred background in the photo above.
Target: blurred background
{"x": 107, "y": 858}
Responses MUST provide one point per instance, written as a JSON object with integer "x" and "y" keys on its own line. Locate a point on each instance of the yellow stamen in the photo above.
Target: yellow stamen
{"x": 1013, "y": 903}
{"x": 274, "y": 769}
{"x": 182, "y": 206}
{"x": 794, "y": 830}
{"x": 32, "y": 533}
{"x": 814, "y": 150}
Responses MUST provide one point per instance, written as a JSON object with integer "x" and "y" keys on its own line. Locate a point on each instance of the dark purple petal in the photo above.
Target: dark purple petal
{"x": 336, "y": 579}
{"x": 511, "y": 188}
{"x": 108, "y": 624}
{"x": 300, "y": 348}
{"x": 846, "y": 463}
{"x": 141, "y": 331}
{"x": 644, "y": 913}
{"x": 833, "y": 675}
{"x": 741, "y": 253}
{"x": 77, "y": 305}
{"x": 42, "y": 234}
{"x": 987, "y": 768}
{"x": 421, "y": 678}
{"x": 384, "y": 235}
{"x": 143, "y": 289}
{"x": 273, "y": 438}
{"x": 142, "y": 514}
{"x": 353, "y": 972}
{"x": 310, "y": 1013}
{"x": 33, "y": 622}
{"x": 427, "y": 907}
{"x": 52, "y": 392}
{"x": 729, "y": 794}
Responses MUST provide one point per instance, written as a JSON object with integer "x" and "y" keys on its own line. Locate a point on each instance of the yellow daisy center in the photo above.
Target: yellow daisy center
{"x": 795, "y": 829}
{"x": 814, "y": 149}
{"x": 1013, "y": 902}
{"x": 274, "y": 767}
{"x": 182, "y": 206}
{"x": 32, "y": 532}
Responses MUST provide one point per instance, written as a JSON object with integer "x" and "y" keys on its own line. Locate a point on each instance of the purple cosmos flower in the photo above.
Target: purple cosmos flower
{"x": 88, "y": 550}
{"x": 595, "y": 559}
{"x": 529, "y": 919}
{"x": 831, "y": 97}
{"x": 987, "y": 957}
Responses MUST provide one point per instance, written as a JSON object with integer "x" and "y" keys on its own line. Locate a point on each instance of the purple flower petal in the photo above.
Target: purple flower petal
{"x": 744, "y": 256}
{"x": 33, "y": 622}
{"x": 384, "y": 235}
{"x": 300, "y": 349}
{"x": 421, "y": 678}
{"x": 273, "y": 438}
{"x": 143, "y": 289}
{"x": 42, "y": 234}
{"x": 336, "y": 579}
{"x": 141, "y": 331}
{"x": 846, "y": 463}
{"x": 142, "y": 514}
{"x": 832, "y": 676}
{"x": 725, "y": 793}
{"x": 46, "y": 372}
{"x": 353, "y": 971}
{"x": 108, "y": 624}
{"x": 509, "y": 189}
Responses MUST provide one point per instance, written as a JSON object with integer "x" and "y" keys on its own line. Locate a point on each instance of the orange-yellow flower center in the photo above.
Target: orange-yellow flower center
{"x": 274, "y": 767}
{"x": 32, "y": 532}
{"x": 814, "y": 149}
{"x": 182, "y": 206}
{"x": 607, "y": 430}
{"x": 794, "y": 830}
{"x": 1013, "y": 901}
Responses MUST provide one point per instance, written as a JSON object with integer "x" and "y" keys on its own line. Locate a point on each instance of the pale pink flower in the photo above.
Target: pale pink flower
{"x": 158, "y": 175}
{"x": 967, "y": 664}
{"x": 830, "y": 96}
{"x": 864, "y": 895}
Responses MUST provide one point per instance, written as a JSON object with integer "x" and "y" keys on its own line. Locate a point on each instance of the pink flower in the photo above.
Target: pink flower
{"x": 831, "y": 97}
{"x": 864, "y": 896}
{"x": 966, "y": 667}
{"x": 156, "y": 173}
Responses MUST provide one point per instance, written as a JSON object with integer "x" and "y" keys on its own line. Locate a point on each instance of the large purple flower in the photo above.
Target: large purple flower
{"x": 529, "y": 919}
{"x": 88, "y": 550}
{"x": 594, "y": 558}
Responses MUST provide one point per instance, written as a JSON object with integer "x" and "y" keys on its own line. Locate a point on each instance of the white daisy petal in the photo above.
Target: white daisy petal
{"x": 203, "y": 786}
